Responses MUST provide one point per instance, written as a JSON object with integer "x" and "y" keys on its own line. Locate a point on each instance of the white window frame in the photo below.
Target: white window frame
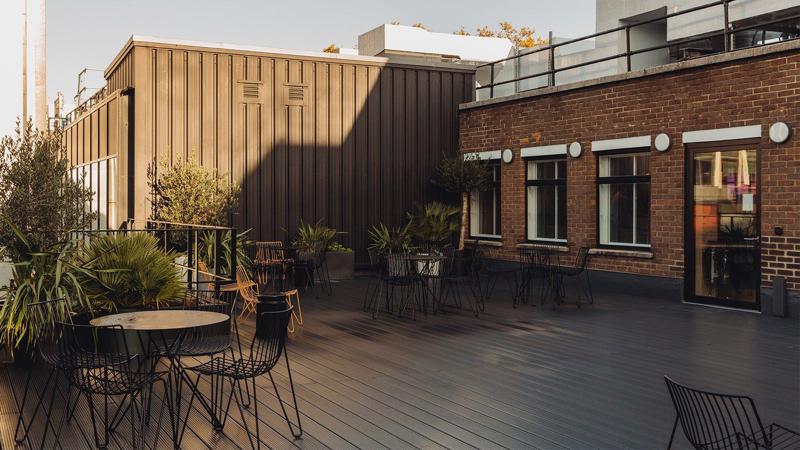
{"x": 604, "y": 204}
{"x": 493, "y": 157}
{"x": 530, "y": 206}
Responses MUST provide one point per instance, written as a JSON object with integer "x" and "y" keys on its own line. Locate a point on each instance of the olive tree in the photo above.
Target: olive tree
{"x": 462, "y": 174}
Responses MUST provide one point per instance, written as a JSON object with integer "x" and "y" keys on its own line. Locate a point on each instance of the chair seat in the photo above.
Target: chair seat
{"x": 113, "y": 382}
{"x": 208, "y": 345}
{"x": 232, "y": 368}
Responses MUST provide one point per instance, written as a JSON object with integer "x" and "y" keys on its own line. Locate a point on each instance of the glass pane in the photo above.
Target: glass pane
{"x": 546, "y": 212}
{"x": 562, "y": 212}
{"x": 545, "y": 170}
{"x": 642, "y": 164}
{"x": 618, "y": 166}
{"x": 725, "y": 235}
{"x": 561, "y": 169}
{"x": 643, "y": 213}
{"x": 486, "y": 218}
{"x": 621, "y": 212}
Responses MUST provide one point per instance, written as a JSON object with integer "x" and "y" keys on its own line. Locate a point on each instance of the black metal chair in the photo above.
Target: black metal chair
{"x": 712, "y": 421}
{"x": 490, "y": 269}
{"x": 453, "y": 278}
{"x": 48, "y": 353}
{"x": 560, "y": 274}
{"x": 374, "y": 274}
{"x": 535, "y": 270}
{"x": 396, "y": 274}
{"x": 267, "y": 346}
{"x": 315, "y": 266}
{"x": 101, "y": 364}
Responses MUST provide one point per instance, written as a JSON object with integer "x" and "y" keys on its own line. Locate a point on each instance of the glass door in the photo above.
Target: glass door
{"x": 723, "y": 264}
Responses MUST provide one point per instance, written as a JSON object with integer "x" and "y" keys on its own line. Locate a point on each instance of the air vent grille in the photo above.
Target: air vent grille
{"x": 296, "y": 94}
{"x": 250, "y": 92}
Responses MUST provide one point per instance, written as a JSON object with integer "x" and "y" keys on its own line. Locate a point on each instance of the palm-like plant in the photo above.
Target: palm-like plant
{"x": 390, "y": 240}
{"x": 433, "y": 223}
{"x": 314, "y": 237}
{"x": 127, "y": 271}
{"x": 44, "y": 274}
{"x": 206, "y": 251}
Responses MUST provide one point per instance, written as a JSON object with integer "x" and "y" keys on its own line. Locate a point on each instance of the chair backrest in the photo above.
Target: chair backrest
{"x": 711, "y": 420}
{"x": 217, "y": 301}
{"x": 582, "y": 259}
{"x": 397, "y": 265}
{"x": 269, "y": 339}
{"x": 374, "y": 259}
{"x": 268, "y": 251}
{"x": 84, "y": 348}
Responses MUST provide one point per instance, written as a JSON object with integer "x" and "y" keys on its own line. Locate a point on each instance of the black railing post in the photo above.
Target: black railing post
{"x": 189, "y": 257}
{"x": 491, "y": 80}
{"x": 725, "y": 31}
{"x": 551, "y": 61}
{"x": 628, "y": 47}
{"x": 234, "y": 254}
{"x": 217, "y": 259}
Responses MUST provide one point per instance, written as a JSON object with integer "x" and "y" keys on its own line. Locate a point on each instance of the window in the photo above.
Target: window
{"x": 546, "y": 193}
{"x": 485, "y": 208}
{"x": 624, "y": 199}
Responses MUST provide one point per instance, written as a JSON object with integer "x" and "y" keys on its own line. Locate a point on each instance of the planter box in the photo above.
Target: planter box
{"x": 340, "y": 265}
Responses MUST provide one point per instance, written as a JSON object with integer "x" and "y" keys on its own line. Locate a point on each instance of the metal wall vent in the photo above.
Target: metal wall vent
{"x": 296, "y": 94}
{"x": 250, "y": 92}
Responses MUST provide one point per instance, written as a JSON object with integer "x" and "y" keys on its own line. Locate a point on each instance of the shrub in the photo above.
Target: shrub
{"x": 390, "y": 240}
{"x": 433, "y": 223}
{"x": 128, "y": 271}
{"x": 314, "y": 237}
{"x": 458, "y": 174}
{"x": 37, "y": 193}
{"x": 192, "y": 194}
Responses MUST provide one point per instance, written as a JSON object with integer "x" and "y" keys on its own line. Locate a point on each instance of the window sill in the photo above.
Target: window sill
{"x": 555, "y": 247}
{"x": 641, "y": 254}
{"x": 497, "y": 243}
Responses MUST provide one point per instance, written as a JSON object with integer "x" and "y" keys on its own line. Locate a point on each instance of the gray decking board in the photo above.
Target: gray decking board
{"x": 516, "y": 378}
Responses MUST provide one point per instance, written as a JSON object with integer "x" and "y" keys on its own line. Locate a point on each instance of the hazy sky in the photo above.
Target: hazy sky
{"x": 89, "y": 33}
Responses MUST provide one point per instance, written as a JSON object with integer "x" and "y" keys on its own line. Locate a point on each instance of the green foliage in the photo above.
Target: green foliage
{"x": 390, "y": 240}
{"x": 314, "y": 237}
{"x": 127, "y": 271}
{"x": 433, "y": 222}
{"x": 191, "y": 194}
{"x": 206, "y": 249}
{"x": 46, "y": 274}
{"x": 335, "y": 247}
{"x": 38, "y": 194}
{"x": 458, "y": 174}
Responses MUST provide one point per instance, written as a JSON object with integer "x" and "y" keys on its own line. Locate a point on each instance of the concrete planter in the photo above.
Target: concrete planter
{"x": 340, "y": 265}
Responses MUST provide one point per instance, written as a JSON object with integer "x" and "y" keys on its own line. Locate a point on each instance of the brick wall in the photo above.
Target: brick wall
{"x": 759, "y": 90}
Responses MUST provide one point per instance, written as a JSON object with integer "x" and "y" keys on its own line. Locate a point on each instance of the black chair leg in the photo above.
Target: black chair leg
{"x": 299, "y": 433}
{"x": 672, "y": 435}
{"x": 21, "y": 405}
{"x": 234, "y": 392}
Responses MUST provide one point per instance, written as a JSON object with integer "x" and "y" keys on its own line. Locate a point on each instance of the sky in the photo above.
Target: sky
{"x": 89, "y": 33}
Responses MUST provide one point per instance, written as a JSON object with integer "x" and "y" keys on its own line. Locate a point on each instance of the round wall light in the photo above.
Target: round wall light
{"x": 508, "y": 155}
{"x": 779, "y": 132}
{"x": 662, "y": 142}
{"x": 575, "y": 149}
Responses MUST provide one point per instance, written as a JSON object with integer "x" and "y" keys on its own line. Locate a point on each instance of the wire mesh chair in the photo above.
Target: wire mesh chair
{"x": 293, "y": 300}
{"x": 373, "y": 282}
{"x": 42, "y": 313}
{"x": 577, "y": 270}
{"x": 103, "y": 365}
{"x": 248, "y": 292}
{"x": 315, "y": 266}
{"x": 266, "y": 349}
{"x": 453, "y": 278}
{"x": 712, "y": 421}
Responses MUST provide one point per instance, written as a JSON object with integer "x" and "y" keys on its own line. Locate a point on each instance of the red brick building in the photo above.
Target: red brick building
{"x": 694, "y": 211}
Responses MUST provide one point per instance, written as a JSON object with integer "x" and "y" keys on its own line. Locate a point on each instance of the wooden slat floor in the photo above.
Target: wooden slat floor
{"x": 513, "y": 378}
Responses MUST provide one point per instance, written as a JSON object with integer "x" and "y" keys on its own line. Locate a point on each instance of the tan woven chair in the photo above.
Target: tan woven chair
{"x": 293, "y": 299}
{"x": 248, "y": 291}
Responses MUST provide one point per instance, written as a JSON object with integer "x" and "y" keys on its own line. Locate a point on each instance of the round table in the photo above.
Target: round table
{"x": 160, "y": 320}
{"x": 158, "y": 324}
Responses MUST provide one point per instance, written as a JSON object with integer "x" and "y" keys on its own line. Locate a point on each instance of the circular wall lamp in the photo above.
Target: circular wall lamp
{"x": 779, "y": 132}
{"x": 508, "y": 155}
{"x": 575, "y": 149}
{"x": 662, "y": 142}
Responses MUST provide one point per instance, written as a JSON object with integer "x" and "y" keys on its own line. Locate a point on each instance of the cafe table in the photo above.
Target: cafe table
{"x": 164, "y": 330}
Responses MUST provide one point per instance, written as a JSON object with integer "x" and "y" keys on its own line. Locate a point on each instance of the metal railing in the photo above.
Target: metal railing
{"x": 203, "y": 267}
{"x": 727, "y": 32}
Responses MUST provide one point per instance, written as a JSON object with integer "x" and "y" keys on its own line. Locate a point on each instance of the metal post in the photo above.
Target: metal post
{"x": 217, "y": 259}
{"x": 628, "y": 46}
{"x": 491, "y": 80}
{"x": 725, "y": 31}
{"x": 232, "y": 275}
{"x": 551, "y": 61}
{"x": 189, "y": 257}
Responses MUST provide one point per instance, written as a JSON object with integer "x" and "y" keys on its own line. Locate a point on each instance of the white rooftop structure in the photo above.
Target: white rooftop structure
{"x": 401, "y": 40}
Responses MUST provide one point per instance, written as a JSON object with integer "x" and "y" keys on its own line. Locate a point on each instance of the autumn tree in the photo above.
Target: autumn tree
{"x": 523, "y": 37}
{"x": 331, "y": 49}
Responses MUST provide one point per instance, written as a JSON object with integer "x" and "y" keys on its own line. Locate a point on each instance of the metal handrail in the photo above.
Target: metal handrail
{"x": 628, "y": 53}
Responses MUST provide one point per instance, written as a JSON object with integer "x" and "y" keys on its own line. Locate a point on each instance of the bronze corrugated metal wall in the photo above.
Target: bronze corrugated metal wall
{"x": 345, "y": 142}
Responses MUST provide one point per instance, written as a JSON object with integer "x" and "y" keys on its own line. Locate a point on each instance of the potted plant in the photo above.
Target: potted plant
{"x": 125, "y": 272}
{"x": 462, "y": 174}
{"x": 432, "y": 226}
{"x": 386, "y": 240}
{"x": 341, "y": 261}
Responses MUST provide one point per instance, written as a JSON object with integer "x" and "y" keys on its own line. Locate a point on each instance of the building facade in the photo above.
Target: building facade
{"x": 669, "y": 172}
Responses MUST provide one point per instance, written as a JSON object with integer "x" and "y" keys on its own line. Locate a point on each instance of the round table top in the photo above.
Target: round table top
{"x": 161, "y": 320}
{"x": 424, "y": 257}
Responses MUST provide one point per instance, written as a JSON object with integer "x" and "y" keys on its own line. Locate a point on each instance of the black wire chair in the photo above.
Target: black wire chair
{"x": 101, "y": 364}
{"x": 534, "y": 272}
{"x": 315, "y": 266}
{"x": 490, "y": 269}
{"x": 374, "y": 274}
{"x": 399, "y": 275}
{"x": 577, "y": 270}
{"x": 42, "y": 313}
{"x": 712, "y": 421}
{"x": 267, "y": 346}
{"x": 453, "y": 278}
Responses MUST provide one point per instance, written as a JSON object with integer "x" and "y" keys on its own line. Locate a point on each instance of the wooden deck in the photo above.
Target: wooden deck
{"x": 524, "y": 378}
